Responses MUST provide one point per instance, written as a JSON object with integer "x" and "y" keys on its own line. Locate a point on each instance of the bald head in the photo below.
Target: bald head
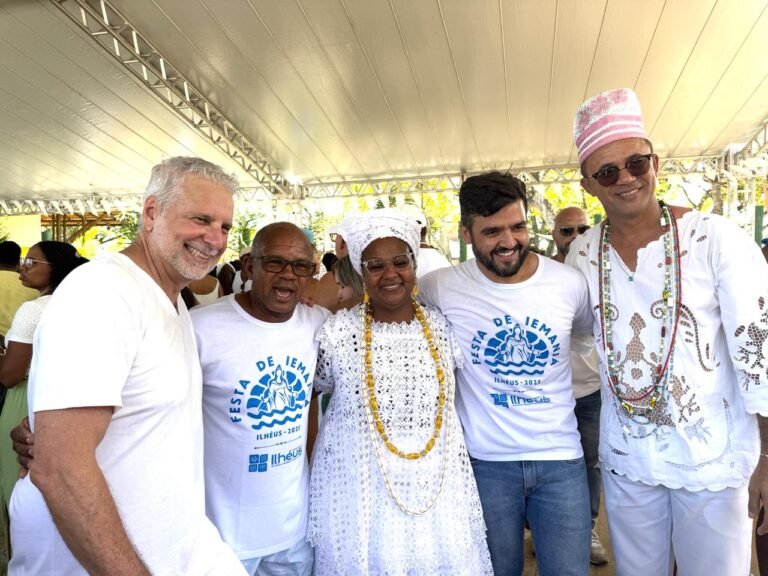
{"x": 567, "y": 223}
{"x": 280, "y": 233}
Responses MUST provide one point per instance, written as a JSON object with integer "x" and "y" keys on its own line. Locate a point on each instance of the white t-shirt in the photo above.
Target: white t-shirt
{"x": 111, "y": 337}
{"x": 703, "y": 433}
{"x": 515, "y": 397}
{"x": 257, "y": 385}
{"x": 584, "y": 365}
{"x": 429, "y": 259}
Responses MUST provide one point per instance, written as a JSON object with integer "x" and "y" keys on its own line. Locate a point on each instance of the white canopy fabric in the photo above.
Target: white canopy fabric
{"x": 340, "y": 90}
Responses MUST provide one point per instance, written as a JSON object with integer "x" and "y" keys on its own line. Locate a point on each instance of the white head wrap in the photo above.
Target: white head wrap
{"x": 384, "y": 223}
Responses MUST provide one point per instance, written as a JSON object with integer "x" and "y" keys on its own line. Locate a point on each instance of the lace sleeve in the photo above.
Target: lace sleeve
{"x": 323, "y": 381}
{"x": 25, "y": 321}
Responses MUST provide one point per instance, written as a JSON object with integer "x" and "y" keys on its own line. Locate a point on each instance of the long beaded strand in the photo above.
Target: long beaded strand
{"x": 365, "y": 323}
{"x": 660, "y": 377}
{"x": 373, "y": 404}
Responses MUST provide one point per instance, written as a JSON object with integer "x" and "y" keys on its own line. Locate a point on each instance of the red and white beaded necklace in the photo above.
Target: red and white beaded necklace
{"x": 671, "y": 299}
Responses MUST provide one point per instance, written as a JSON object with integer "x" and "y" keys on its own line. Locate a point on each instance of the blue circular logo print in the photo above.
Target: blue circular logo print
{"x": 516, "y": 352}
{"x": 278, "y": 397}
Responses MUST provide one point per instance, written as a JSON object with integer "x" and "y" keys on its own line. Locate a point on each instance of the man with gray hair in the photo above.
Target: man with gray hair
{"x": 116, "y": 485}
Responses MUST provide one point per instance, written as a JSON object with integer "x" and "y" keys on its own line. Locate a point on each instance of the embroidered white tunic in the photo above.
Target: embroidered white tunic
{"x": 356, "y": 526}
{"x": 702, "y": 434}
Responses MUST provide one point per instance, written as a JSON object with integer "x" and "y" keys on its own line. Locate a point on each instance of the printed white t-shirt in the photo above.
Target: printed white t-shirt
{"x": 257, "y": 386}
{"x": 111, "y": 337}
{"x": 515, "y": 398}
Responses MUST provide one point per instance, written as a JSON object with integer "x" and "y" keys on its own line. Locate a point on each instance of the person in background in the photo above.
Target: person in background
{"x": 45, "y": 266}
{"x": 570, "y": 223}
{"x": 328, "y": 260}
{"x": 206, "y": 290}
{"x": 12, "y": 292}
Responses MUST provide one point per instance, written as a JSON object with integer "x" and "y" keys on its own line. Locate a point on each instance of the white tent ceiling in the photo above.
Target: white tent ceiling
{"x": 349, "y": 90}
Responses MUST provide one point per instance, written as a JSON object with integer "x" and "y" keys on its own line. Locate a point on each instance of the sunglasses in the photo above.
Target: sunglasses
{"x": 29, "y": 262}
{"x": 637, "y": 166}
{"x": 568, "y": 230}
{"x": 275, "y": 265}
{"x": 376, "y": 266}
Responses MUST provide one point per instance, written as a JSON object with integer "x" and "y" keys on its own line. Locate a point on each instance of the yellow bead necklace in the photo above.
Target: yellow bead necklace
{"x": 373, "y": 405}
{"x": 376, "y": 425}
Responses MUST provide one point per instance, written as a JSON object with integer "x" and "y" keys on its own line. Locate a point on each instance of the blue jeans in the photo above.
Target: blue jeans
{"x": 588, "y": 419}
{"x": 553, "y": 496}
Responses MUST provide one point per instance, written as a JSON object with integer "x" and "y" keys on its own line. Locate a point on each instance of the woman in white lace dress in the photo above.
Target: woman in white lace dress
{"x": 392, "y": 491}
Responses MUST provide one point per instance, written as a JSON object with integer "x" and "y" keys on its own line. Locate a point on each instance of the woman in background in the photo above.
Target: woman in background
{"x": 47, "y": 263}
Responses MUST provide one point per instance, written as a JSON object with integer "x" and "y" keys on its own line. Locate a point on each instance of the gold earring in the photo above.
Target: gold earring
{"x": 415, "y": 291}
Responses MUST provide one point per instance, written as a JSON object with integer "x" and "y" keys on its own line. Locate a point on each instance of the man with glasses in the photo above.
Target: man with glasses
{"x": 680, "y": 323}
{"x": 258, "y": 353}
{"x": 513, "y": 313}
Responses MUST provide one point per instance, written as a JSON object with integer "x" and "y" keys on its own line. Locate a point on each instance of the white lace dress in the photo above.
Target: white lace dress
{"x": 356, "y": 525}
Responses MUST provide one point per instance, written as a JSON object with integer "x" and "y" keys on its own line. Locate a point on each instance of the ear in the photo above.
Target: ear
{"x": 248, "y": 266}
{"x": 655, "y": 159}
{"x": 149, "y": 213}
{"x": 466, "y": 234}
{"x": 587, "y": 185}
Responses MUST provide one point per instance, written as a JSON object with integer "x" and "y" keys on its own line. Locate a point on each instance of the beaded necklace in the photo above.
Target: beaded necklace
{"x": 373, "y": 405}
{"x": 376, "y": 426}
{"x": 671, "y": 301}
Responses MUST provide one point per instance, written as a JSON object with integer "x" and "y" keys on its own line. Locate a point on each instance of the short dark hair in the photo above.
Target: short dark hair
{"x": 10, "y": 252}
{"x": 62, "y": 257}
{"x": 328, "y": 260}
{"x": 486, "y": 194}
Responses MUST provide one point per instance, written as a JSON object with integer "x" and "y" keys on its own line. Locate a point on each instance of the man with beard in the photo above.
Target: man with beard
{"x": 116, "y": 485}
{"x": 518, "y": 410}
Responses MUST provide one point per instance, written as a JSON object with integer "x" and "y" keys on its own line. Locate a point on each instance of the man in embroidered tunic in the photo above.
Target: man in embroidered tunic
{"x": 681, "y": 319}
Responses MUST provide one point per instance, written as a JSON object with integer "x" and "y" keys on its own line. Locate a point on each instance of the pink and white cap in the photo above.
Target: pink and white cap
{"x": 609, "y": 116}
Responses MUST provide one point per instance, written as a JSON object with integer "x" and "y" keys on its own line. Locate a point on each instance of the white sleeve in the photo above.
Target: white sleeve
{"x": 741, "y": 282}
{"x": 324, "y": 381}
{"x": 86, "y": 342}
{"x": 583, "y": 320}
{"x": 25, "y": 321}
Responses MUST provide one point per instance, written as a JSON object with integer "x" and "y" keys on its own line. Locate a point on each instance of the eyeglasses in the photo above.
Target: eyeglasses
{"x": 275, "y": 265}
{"x": 376, "y": 266}
{"x": 568, "y": 230}
{"x": 29, "y": 262}
{"x": 637, "y": 166}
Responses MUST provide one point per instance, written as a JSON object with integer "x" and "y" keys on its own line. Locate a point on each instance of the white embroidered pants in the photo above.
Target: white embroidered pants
{"x": 652, "y": 527}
